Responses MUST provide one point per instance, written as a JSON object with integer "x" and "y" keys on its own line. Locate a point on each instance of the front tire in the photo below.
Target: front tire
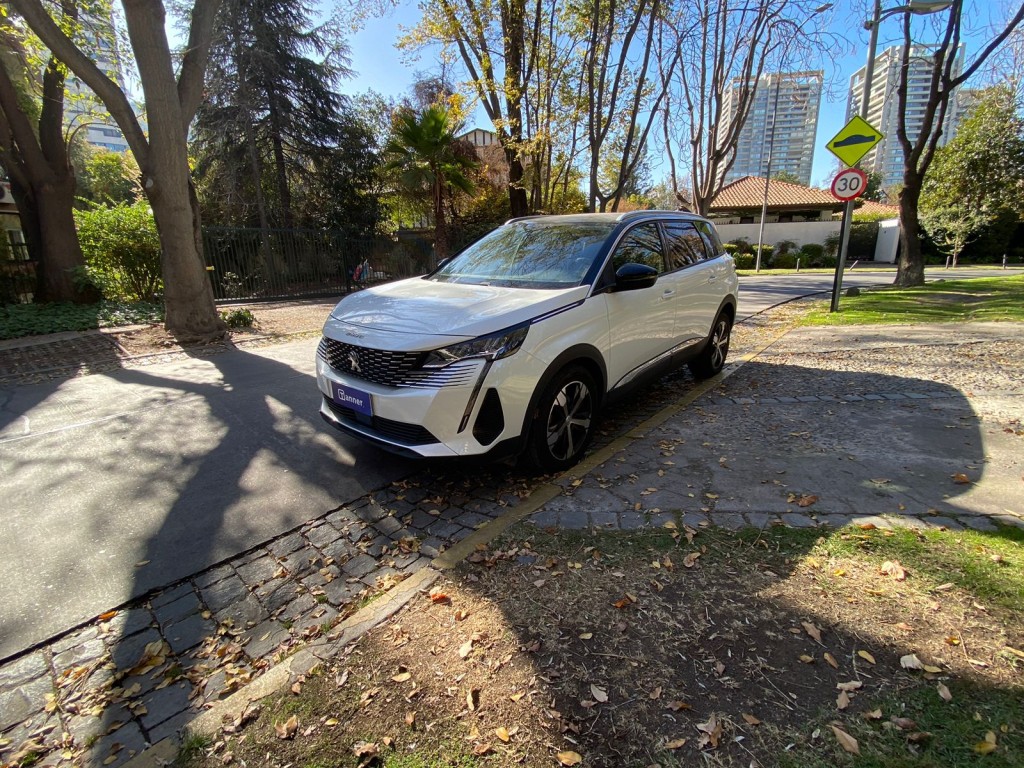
{"x": 711, "y": 359}
{"x": 563, "y": 424}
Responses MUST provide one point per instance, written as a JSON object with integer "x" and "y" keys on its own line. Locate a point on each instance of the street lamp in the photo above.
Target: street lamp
{"x": 920, "y": 8}
{"x": 771, "y": 142}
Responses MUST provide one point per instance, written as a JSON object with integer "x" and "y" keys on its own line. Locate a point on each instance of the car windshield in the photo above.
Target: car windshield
{"x": 529, "y": 254}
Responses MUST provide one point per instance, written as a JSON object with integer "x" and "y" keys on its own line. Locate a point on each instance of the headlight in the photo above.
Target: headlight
{"x": 493, "y": 347}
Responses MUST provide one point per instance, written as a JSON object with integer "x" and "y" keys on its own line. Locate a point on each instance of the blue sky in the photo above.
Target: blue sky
{"x": 380, "y": 66}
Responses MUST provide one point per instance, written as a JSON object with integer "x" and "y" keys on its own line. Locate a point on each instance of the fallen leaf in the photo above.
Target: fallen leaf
{"x": 866, "y": 656}
{"x": 620, "y": 604}
{"x": 691, "y": 559}
{"x": 910, "y": 661}
{"x": 599, "y": 694}
{"x": 961, "y": 479}
{"x": 932, "y": 669}
{"x": 806, "y": 659}
{"x": 517, "y": 696}
{"x": 465, "y": 649}
{"x": 675, "y": 743}
{"x": 365, "y": 749}
{"x": 712, "y": 731}
{"x": 874, "y": 714}
{"x": 751, "y": 720}
{"x": 846, "y": 741}
{"x": 831, "y": 660}
{"x": 586, "y": 635}
{"x": 944, "y": 693}
{"x": 473, "y": 699}
{"x": 675, "y": 706}
{"x": 436, "y": 596}
{"x": 986, "y": 746}
{"x": 482, "y": 749}
{"x": 655, "y": 694}
{"x": 842, "y": 700}
{"x": 894, "y": 569}
{"x": 401, "y": 677}
{"x": 569, "y": 758}
{"x": 502, "y": 733}
{"x": 461, "y": 615}
{"x": 853, "y": 685}
{"x": 287, "y": 729}
{"x": 812, "y": 630}
{"x": 903, "y": 723}
{"x": 410, "y": 718}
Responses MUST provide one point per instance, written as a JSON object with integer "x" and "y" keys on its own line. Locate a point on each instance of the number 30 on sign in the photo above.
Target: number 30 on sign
{"x": 849, "y": 183}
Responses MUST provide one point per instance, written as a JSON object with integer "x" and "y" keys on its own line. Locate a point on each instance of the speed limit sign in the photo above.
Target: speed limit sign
{"x": 849, "y": 183}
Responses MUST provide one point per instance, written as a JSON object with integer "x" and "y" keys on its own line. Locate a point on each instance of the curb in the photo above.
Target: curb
{"x": 307, "y": 659}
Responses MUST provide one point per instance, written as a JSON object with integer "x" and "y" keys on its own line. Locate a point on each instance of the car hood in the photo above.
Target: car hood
{"x": 425, "y": 310}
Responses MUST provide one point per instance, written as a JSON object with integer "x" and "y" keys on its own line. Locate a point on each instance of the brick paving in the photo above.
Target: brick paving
{"x": 103, "y": 692}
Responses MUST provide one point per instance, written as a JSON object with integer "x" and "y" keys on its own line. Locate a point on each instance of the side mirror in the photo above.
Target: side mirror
{"x": 633, "y": 277}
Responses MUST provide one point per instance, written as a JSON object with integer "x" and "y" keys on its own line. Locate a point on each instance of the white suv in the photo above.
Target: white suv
{"x": 514, "y": 344}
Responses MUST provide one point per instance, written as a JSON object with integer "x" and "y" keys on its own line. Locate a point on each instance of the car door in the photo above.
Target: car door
{"x": 694, "y": 278}
{"x": 642, "y": 322}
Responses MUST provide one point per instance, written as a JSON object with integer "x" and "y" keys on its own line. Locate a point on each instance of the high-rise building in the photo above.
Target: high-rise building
{"x": 883, "y": 108}
{"x": 83, "y": 111}
{"x": 781, "y": 124}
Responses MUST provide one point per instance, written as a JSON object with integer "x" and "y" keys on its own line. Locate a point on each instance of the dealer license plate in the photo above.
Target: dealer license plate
{"x": 353, "y": 398}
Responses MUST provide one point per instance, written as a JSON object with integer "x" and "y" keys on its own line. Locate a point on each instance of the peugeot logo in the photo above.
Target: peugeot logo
{"x": 353, "y": 362}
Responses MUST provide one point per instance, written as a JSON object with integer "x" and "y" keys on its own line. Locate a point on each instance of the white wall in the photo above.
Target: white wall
{"x": 888, "y": 241}
{"x": 800, "y": 232}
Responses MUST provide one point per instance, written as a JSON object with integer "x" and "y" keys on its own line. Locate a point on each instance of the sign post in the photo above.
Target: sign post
{"x": 856, "y": 139}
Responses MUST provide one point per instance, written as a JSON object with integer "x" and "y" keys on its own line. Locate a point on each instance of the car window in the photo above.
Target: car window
{"x": 641, "y": 245}
{"x": 685, "y": 245}
{"x": 529, "y": 254}
{"x": 711, "y": 239}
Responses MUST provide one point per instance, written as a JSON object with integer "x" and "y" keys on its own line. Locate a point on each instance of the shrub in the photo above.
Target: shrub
{"x": 863, "y": 236}
{"x": 744, "y": 260}
{"x": 122, "y": 251}
{"x": 731, "y": 248}
{"x": 784, "y": 261}
{"x": 742, "y": 245}
{"x": 238, "y": 318}
{"x": 785, "y": 246}
{"x": 766, "y": 253}
{"x": 812, "y": 255}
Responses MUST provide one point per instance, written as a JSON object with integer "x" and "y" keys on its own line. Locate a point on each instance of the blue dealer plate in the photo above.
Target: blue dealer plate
{"x": 353, "y": 398}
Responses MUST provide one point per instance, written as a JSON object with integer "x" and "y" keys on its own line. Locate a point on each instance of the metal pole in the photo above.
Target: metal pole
{"x": 768, "y": 171}
{"x": 844, "y": 228}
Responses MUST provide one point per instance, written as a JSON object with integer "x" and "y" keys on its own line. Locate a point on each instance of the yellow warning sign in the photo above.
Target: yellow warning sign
{"x": 856, "y": 139}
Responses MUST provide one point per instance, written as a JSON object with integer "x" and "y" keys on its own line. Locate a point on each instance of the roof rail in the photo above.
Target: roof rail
{"x": 524, "y": 218}
{"x": 631, "y": 215}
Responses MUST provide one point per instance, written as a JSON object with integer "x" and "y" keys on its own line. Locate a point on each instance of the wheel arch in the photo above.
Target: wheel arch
{"x": 581, "y": 354}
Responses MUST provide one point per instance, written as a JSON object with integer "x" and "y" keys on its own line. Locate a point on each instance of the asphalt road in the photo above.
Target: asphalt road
{"x": 118, "y": 483}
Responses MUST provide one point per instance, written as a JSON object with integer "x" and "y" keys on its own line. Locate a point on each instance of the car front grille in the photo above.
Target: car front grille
{"x": 393, "y": 369}
{"x": 396, "y": 431}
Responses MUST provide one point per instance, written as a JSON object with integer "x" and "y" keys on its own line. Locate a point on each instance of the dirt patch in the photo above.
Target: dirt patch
{"x": 678, "y": 647}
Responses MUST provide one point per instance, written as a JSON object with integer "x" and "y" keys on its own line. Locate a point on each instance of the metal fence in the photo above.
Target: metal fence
{"x": 247, "y": 264}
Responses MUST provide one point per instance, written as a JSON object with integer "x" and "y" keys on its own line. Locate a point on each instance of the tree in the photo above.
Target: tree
{"x": 270, "y": 106}
{"x": 161, "y": 152}
{"x": 978, "y": 177}
{"x": 723, "y": 53}
{"x": 495, "y": 45}
{"x": 109, "y": 178}
{"x": 788, "y": 177}
{"x": 424, "y": 155}
{"x": 952, "y": 227}
{"x": 34, "y": 153}
{"x": 919, "y": 151}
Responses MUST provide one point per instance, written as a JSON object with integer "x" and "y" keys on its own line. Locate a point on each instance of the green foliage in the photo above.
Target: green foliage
{"x": 952, "y": 227}
{"x": 744, "y": 260}
{"x": 742, "y": 245}
{"x": 18, "y": 320}
{"x": 811, "y": 252}
{"x": 731, "y": 248}
{"x": 875, "y": 216}
{"x": 863, "y": 238}
{"x": 832, "y": 245}
{"x": 784, "y": 261}
{"x": 122, "y": 251}
{"x": 488, "y": 209}
{"x": 787, "y": 177}
{"x": 874, "y": 189}
{"x": 785, "y": 246}
{"x": 109, "y": 178}
{"x": 238, "y": 318}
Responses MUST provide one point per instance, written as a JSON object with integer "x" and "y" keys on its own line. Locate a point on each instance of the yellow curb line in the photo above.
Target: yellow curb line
{"x": 308, "y": 658}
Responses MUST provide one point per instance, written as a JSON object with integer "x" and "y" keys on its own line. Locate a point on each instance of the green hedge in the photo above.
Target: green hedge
{"x": 122, "y": 251}
{"x": 744, "y": 260}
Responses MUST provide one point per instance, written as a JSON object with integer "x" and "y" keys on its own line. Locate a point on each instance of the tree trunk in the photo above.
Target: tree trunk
{"x": 517, "y": 198}
{"x": 284, "y": 193}
{"x": 59, "y": 239}
{"x": 189, "y": 311}
{"x": 910, "y": 271}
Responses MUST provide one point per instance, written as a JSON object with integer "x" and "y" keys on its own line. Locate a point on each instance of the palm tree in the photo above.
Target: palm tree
{"x": 425, "y": 155}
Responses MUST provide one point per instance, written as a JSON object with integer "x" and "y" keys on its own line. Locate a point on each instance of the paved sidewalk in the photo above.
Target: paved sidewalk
{"x": 900, "y": 426}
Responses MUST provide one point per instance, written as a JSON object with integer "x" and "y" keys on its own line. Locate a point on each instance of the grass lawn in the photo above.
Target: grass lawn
{"x": 949, "y": 301}
{"x": 677, "y": 647}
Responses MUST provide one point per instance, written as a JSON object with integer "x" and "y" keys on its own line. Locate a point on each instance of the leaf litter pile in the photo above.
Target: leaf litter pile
{"x": 670, "y": 648}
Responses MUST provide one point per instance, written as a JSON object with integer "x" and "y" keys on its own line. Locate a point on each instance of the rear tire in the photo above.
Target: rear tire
{"x": 711, "y": 359}
{"x": 563, "y": 424}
